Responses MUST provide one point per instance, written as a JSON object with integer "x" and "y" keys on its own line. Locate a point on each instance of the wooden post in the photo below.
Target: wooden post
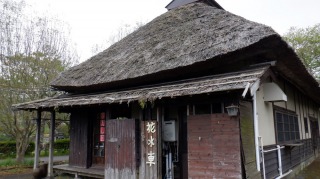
{"x": 51, "y": 143}
{"x": 37, "y": 142}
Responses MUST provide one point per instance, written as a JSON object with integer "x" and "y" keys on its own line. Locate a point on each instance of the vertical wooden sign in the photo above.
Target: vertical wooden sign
{"x": 149, "y": 149}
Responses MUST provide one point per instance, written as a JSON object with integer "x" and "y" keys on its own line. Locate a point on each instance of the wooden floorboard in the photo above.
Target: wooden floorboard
{"x": 88, "y": 172}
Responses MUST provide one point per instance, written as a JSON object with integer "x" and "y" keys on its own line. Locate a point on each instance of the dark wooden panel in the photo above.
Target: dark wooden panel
{"x": 271, "y": 162}
{"x": 247, "y": 139}
{"x": 213, "y": 146}
{"x": 79, "y": 139}
{"x": 120, "y": 161}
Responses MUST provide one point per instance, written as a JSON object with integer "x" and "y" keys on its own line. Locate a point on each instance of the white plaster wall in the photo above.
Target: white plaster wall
{"x": 265, "y": 119}
{"x": 296, "y": 102}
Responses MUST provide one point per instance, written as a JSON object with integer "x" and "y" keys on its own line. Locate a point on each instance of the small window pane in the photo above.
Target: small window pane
{"x": 280, "y": 137}
{"x": 296, "y": 121}
{"x": 287, "y": 136}
{"x": 291, "y": 119}
{"x": 280, "y": 127}
{"x": 292, "y": 136}
{"x": 279, "y": 117}
{"x": 286, "y": 127}
{"x": 285, "y": 119}
{"x": 292, "y": 127}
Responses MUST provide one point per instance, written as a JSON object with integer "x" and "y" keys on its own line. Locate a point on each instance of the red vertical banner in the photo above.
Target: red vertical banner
{"x": 101, "y": 138}
{"x": 102, "y": 130}
{"x": 151, "y": 146}
{"x": 102, "y": 122}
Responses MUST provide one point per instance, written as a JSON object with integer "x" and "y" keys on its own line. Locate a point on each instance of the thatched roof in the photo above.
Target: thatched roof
{"x": 208, "y": 84}
{"x": 176, "y": 40}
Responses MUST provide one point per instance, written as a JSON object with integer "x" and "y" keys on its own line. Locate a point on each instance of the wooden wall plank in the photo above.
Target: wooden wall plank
{"x": 213, "y": 146}
{"x": 120, "y": 149}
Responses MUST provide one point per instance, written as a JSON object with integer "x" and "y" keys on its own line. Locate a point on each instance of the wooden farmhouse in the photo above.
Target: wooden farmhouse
{"x": 198, "y": 92}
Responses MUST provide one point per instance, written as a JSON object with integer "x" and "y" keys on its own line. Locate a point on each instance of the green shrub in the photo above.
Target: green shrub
{"x": 30, "y": 148}
{"x": 8, "y": 149}
{"x": 62, "y": 144}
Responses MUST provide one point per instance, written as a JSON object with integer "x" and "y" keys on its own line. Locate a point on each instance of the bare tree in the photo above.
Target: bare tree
{"x": 119, "y": 34}
{"x": 32, "y": 53}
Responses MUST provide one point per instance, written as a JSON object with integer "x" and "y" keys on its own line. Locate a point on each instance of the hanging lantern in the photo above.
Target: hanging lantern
{"x": 232, "y": 110}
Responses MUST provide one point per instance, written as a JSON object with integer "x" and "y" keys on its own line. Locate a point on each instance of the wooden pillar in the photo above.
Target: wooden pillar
{"x": 51, "y": 143}
{"x": 37, "y": 142}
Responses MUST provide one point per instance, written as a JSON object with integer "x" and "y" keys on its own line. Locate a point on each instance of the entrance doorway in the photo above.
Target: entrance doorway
{"x": 99, "y": 130}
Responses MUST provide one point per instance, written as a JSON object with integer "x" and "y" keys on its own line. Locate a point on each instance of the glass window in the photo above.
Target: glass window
{"x": 287, "y": 127}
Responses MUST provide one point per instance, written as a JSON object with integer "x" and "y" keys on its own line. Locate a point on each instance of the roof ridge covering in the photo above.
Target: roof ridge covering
{"x": 181, "y": 37}
{"x": 177, "y": 3}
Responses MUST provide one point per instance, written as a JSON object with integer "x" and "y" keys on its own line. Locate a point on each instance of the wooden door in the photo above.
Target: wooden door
{"x": 80, "y": 145}
{"x": 121, "y": 148}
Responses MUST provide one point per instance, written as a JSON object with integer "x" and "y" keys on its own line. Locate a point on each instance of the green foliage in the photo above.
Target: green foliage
{"x": 142, "y": 103}
{"x": 306, "y": 43}
{"x": 8, "y": 149}
{"x": 63, "y": 128}
{"x": 62, "y": 144}
{"x": 61, "y": 147}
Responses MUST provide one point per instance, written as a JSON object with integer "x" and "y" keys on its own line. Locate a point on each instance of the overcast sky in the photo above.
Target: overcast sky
{"x": 94, "y": 21}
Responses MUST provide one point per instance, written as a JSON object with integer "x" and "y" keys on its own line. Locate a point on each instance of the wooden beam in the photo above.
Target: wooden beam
{"x": 37, "y": 142}
{"x": 51, "y": 143}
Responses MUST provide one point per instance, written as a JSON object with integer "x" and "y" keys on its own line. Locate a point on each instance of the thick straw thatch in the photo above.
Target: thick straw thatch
{"x": 209, "y": 84}
{"x": 179, "y": 38}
